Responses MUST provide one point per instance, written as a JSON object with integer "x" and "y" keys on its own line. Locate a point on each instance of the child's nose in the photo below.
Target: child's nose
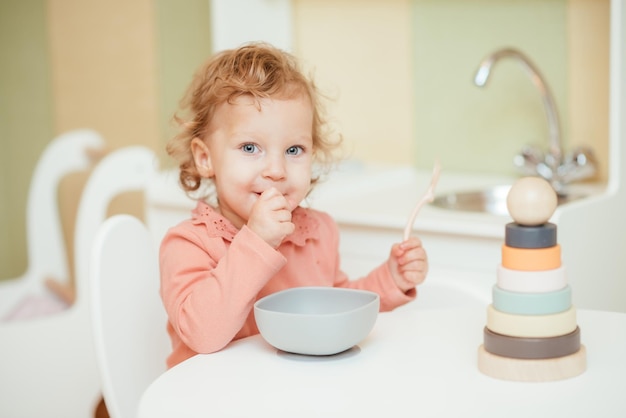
{"x": 274, "y": 168}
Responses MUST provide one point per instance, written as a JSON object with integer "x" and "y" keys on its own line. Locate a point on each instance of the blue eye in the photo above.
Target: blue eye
{"x": 248, "y": 148}
{"x": 295, "y": 150}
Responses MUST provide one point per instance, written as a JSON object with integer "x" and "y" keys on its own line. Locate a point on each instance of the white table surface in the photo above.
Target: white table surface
{"x": 415, "y": 363}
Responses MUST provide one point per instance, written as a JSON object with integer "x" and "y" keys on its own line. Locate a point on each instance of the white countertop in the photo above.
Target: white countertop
{"x": 384, "y": 196}
{"x": 416, "y": 362}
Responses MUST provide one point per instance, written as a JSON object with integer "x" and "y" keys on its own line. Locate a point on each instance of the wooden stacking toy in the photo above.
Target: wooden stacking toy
{"x": 531, "y": 333}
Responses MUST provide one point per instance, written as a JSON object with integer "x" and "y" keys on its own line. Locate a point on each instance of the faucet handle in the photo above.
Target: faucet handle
{"x": 578, "y": 165}
{"x": 528, "y": 160}
{"x": 531, "y": 161}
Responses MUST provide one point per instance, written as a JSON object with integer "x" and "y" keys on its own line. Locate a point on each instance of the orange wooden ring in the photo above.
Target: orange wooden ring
{"x": 531, "y": 259}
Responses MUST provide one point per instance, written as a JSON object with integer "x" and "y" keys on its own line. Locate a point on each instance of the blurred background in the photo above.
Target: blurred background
{"x": 399, "y": 73}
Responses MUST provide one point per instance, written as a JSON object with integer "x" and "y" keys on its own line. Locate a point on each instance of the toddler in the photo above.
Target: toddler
{"x": 252, "y": 129}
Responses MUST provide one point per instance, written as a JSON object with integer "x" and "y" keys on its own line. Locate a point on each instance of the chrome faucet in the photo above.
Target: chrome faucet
{"x": 553, "y": 165}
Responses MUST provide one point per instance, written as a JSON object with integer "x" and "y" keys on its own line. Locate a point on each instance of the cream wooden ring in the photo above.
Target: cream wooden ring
{"x": 532, "y": 370}
{"x": 539, "y": 326}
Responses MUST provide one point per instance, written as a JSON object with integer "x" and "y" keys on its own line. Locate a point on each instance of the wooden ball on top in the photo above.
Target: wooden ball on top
{"x": 531, "y": 201}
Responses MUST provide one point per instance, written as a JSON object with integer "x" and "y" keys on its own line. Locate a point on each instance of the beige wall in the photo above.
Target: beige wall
{"x": 104, "y": 68}
{"x": 588, "y": 63}
{"x": 361, "y": 54}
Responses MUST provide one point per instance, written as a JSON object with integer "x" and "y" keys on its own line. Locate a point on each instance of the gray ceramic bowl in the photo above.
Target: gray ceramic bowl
{"x": 316, "y": 320}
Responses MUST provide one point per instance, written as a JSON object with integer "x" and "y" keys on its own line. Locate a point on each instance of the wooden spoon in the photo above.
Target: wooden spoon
{"x": 427, "y": 197}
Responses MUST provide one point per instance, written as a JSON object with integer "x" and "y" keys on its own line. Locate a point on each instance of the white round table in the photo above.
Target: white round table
{"x": 415, "y": 363}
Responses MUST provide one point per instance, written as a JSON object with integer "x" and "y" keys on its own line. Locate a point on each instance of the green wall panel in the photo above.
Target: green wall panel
{"x": 474, "y": 129}
{"x": 25, "y": 120}
{"x": 183, "y": 43}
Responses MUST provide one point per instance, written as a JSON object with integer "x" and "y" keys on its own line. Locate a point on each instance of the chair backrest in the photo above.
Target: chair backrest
{"x": 166, "y": 203}
{"x": 67, "y": 153}
{"x": 128, "y": 317}
{"x": 123, "y": 170}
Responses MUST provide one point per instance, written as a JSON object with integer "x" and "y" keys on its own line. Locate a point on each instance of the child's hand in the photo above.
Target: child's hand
{"x": 271, "y": 217}
{"x": 408, "y": 263}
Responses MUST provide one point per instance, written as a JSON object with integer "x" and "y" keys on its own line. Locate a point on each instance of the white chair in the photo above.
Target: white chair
{"x": 48, "y": 364}
{"x": 27, "y": 296}
{"x": 128, "y": 317}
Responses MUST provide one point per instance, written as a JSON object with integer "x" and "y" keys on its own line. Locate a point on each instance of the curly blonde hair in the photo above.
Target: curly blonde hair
{"x": 259, "y": 70}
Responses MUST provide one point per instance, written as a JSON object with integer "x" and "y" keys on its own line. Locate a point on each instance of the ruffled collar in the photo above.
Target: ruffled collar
{"x": 307, "y": 226}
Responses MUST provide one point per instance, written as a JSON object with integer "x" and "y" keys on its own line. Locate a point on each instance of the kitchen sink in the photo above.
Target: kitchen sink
{"x": 490, "y": 200}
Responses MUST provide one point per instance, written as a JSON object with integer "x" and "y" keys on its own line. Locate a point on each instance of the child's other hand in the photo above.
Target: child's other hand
{"x": 271, "y": 217}
{"x": 408, "y": 263}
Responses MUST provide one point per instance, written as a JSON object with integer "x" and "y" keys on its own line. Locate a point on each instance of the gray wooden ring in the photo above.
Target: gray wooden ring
{"x": 531, "y": 348}
{"x": 522, "y": 236}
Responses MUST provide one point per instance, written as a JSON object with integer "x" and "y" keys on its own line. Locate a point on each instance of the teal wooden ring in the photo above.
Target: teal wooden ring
{"x": 519, "y": 303}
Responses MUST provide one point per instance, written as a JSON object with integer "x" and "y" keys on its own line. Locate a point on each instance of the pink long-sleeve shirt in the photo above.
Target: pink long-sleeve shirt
{"x": 212, "y": 273}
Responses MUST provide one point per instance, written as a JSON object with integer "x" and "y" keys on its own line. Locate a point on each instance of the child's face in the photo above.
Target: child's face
{"x": 248, "y": 150}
